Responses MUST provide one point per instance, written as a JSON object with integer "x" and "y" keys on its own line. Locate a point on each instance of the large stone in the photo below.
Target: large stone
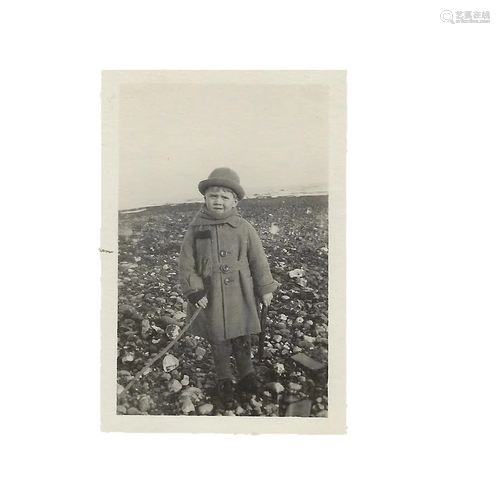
{"x": 145, "y": 326}
{"x": 255, "y": 404}
{"x": 192, "y": 393}
{"x": 296, "y": 273}
{"x": 307, "y": 362}
{"x": 174, "y": 331}
{"x": 271, "y": 408}
{"x": 275, "y": 387}
{"x": 134, "y": 411}
{"x": 187, "y": 406}
{"x": 280, "y": 368}
{"x": 128, "y": 357}
{"x": 299, "y": 409}
{"x": 144, "y": 403}
{"x": 170, "y": 363}
{"x": 191, "y": 342}
{"x": 200, "y": 351}
{"x": 306, "y": 344}
{"x": 174, "y": 386}
{"x": 179, "y": 316}
{"x": 205, "y": 409}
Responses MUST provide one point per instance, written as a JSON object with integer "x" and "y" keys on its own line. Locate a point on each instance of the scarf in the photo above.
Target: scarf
{"x": 205, "y": 213}
{"x": 203, "y": 238}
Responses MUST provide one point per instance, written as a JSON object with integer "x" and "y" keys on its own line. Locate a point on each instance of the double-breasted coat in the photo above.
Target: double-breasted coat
{"x": 225, "y": 258}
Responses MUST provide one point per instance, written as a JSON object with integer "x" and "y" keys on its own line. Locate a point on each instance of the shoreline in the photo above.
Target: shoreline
{"x": 245, "y": 201}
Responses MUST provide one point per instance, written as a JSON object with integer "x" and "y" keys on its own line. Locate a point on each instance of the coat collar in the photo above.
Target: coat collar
{"x": 203, "y": 217}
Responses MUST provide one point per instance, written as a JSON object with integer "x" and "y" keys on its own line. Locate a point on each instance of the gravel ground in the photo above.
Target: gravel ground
{"x": 151, "y": 311}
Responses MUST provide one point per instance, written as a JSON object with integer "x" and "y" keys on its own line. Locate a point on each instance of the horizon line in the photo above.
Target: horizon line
{"x": 249, "y": 197}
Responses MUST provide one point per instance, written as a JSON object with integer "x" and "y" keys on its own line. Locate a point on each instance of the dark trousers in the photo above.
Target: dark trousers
{"x": 241, "y": 348}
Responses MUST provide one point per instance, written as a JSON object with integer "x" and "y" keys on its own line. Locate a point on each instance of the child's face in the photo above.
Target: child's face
{"x": 219, "y": 200}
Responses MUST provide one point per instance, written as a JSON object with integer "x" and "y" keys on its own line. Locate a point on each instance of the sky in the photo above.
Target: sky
{"x": 172, "y": 136}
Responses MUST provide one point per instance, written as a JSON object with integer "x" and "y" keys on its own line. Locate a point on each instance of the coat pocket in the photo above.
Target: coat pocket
{"x": 245, "y": 274}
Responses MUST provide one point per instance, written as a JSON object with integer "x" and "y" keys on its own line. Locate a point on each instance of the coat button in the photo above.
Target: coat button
{"x": 227, "y": 281}
{"x": 222, "y": 253}
{"x": 224, "y": 268}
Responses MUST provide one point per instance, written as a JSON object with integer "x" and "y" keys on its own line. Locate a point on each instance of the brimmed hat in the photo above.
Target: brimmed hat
{"x": 224, "y": 177}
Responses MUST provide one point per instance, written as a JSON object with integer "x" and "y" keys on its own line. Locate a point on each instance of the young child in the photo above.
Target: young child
{"x": 224, "y": 271}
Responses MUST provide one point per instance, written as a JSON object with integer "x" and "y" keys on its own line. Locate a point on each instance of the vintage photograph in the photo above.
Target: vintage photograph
{"x": 223, "y": 249}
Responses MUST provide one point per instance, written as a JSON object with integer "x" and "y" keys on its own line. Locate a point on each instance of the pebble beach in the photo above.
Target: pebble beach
{"x": 151, "y": 313}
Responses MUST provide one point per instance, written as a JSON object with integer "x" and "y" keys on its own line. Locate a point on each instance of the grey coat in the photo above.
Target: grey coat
{"x": 225, "y": 258}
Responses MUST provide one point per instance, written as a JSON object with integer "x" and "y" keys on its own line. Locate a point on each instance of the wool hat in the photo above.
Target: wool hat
{"x": 224, "y": 177}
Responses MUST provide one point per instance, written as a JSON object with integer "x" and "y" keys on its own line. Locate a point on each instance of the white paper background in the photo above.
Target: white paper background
{"x": 422, "y": 224}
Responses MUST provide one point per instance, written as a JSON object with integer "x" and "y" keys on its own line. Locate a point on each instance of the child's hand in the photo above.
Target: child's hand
{"x": 198, "y": 299}
{"x": 202, "y": 303}
{"x": 266, "y": 299}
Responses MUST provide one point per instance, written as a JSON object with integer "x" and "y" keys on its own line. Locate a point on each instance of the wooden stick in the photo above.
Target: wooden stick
{"x": 150, "y": 363}
{"x": 262, "y": 335}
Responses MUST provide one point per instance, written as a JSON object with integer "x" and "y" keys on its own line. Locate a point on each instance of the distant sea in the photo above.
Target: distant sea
{"x": 292, "y": 191}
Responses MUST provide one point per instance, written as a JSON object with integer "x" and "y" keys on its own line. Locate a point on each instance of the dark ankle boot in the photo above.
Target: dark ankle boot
{"x": 249, "y": 383}
{"x": 225, "y": 390}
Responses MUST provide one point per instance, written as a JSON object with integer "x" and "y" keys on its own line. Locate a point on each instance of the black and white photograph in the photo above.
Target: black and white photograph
{"x": 226, "y": 186}
{"x": 250, "y": 249}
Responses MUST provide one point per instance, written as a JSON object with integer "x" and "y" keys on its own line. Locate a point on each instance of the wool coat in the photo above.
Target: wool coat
{"x": 225, "y": 258}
